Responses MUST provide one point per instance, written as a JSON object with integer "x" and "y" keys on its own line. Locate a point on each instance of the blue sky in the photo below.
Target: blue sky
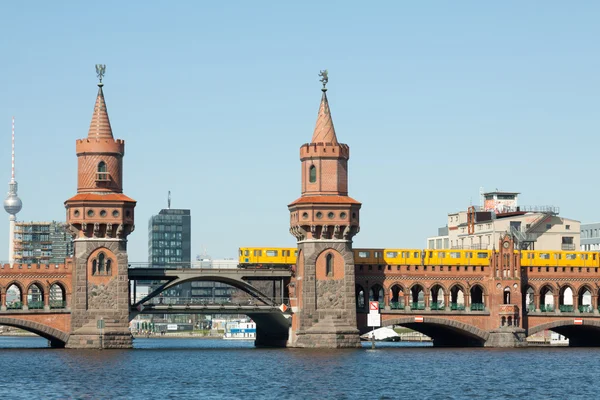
{"x": 214, "y": 99}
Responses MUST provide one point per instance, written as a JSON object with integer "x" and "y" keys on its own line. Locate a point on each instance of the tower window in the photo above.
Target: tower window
{"x": 329, "y": 265}
{"x": 102, "y": 175}
{"x": 312, "y": 174}
{"x": 102, "y": 265}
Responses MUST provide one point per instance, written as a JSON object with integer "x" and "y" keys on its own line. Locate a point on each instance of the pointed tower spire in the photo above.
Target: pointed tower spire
{"x": 324, "y": 130}
{"x": 100, "y": 125}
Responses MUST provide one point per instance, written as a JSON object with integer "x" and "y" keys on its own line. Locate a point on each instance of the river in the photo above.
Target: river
{"x": 221, "y": 369}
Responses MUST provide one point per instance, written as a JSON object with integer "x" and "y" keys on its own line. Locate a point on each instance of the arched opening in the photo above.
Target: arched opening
{"x": 457, "y": 298}
{"x": 509, "y": 321}
{"x": 444, "y": 332}
{"x": 565, "y": 299}
{"x": 584, "y": 298}
{"x": 101, "y": 266}
{"x": 503, "y": 321}
{"x": 506, "y": 295}
{"x": 376, "y": 294}
{"x": 312, "y": 174}
{"x": 329, "y": 265}
{"x": 417, "y": 297}
{"x": 436, "y": 298}
{"x": 14, "y": 297}
{"x": 35, "y": 297}
{"x": 360, "y": 297}
{"x": 101, "y": 175}
{"x": 547, "y": 299}
{"x": 397, "y": 300}
{"x": 477, "y": 302}
{"x": 94, "y": 267}
{"x": 529, "y": 299}
{"x": 108, "y": 266}
{"x": 101, "y": 167}
{"x": 58, "y": 297}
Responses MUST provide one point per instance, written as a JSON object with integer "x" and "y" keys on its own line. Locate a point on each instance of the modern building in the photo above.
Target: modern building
{"x": 590, "y": 236}
{"x": 213, "y": 292}
{"x": 41, "y": 243}
{"x": 170, "y": 238}
{"x": 533, "y": 227}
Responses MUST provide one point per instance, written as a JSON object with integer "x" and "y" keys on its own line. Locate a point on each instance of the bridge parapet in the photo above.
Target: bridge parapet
{"x": 38, "y": 268}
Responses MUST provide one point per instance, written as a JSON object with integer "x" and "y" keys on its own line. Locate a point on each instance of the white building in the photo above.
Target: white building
{"x": 534, "y": 227}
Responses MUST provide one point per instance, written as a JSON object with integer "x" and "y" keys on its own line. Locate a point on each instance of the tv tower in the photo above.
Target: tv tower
{"x": 13, "y": 203}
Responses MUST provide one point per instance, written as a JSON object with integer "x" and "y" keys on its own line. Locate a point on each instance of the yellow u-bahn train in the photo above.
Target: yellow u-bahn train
{"x": 280, "y": 257}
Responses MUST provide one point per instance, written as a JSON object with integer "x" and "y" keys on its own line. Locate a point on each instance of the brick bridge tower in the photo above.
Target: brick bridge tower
{"x": 100, "y": 217}
{"x": 324, "y": 220}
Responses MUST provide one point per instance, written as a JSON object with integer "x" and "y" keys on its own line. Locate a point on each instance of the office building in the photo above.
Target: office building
{"x": 41, "y": 243}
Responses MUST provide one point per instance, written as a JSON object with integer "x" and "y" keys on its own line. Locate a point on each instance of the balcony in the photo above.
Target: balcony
{"x": 509, "y": 309}
{"x": 102, "y": 177}
{"x": 437, "y": 307}
{"x": 566, "y": 308}
{"x": 567, "y": 246}
{"x": 477, "y": 307}
{"x": 395, "y": 305}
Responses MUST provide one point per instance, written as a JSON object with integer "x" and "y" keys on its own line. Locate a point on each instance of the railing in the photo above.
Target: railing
{"x": 546, "y": 307}
{"x": 198, "y": 301}
{"x": 567, "y": 246}
{"x": 57, "y": 304}
{"x": 17, "y": 305}
{"x": 566, "y": 308}
{"x": 477, "y": 307}
{"x": 417, "y": 306}
{"x": 457, "y": 307}
{"x": 102, "y": 176}
{"x": 35, "y": 305}
{"x": 395, "y": 305}
{"x": 437, "y": 306}
{"x": 531, "y": 307}
{"x": 586, "y": 308}
{"x": 382, "y": 305}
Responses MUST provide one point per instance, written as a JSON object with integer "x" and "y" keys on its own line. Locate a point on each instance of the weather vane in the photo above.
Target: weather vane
{"x": 324, "y": 78}
{"x": 100, "y": 71}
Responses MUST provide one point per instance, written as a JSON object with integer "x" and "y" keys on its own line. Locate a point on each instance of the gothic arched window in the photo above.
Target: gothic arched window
{"x": 312, "y": 174}
{"x": 101, "y": 269}
{"x": 329, "y": 265}
{"x": 101, "y": 265}
{"x": 102, "y": 174}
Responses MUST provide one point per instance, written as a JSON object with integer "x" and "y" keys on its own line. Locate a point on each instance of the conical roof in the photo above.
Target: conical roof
{"x": 100, "y": 125}
{"x": 324, "y": 130}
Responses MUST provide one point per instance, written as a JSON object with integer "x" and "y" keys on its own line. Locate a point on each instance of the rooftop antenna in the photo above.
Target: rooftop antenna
{"x": 169, "y": 200}
{"x": 481, "y": 200}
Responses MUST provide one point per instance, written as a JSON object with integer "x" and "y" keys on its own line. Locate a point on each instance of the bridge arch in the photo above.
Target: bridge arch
{"x": 56, "y": 337}
{"x": 444, "y": 332}
{"x": 585, "y": 334}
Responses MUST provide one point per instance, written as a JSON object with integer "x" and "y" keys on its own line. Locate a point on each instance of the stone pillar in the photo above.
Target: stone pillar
{"x": 47, "y": 299}
{"x": 595, "y": 304}
{"x": 407, "y": 299}
{"x": 327, "y": 316}
{"x": 446, "y": 300}
{"x": 536, "y": 301}
{"x": 556, "y": 301}
{"x": 426, "y": 297}
{"x": 100, "y": 297}
{"x": 386, "y": 298}
{"x": 24, "y": 300}
{"x": 575, "y": 302}
{"x": 2, "y": 300}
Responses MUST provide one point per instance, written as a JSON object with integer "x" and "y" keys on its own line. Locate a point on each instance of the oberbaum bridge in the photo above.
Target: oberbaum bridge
{"x": 93, "y": 292}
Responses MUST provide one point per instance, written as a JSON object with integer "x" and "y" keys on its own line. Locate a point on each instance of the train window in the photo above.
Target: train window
{"x": 594, "y": 256}
{"x": 257, "y": 253}
{"x": 454, "y": 254}
{"x": 246, "y": 253}
{"x": 557, "y": 256}
{"x": 295, "y": 253}
{"x": 531, "y": 256}
{"x": 404, "y": 254}
{"x": 241, "y": 253}
{"x": 482, "y": 255}
{"x": 584, "y": 256}
{"x": 545, "y": 256}
{"x": 441, "y": 254}
{"x": 570, "y": 256}
{"x": 363, "y": 254}
{"x": 376, "y": 254}
{"x": 416, "y": 254}
{"x": 271, "y": 253}
{"x": 468, "y": 254}
{"x": 430, "y": 254}
{"x": 391, "y": 254}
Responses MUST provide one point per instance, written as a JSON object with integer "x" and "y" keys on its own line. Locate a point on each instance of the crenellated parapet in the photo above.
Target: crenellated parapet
{"x": 325, "y": 150}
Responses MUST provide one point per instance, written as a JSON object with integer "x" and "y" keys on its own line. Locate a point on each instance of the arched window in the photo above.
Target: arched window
{"x": 108, "y": 262}
{"x": 312, "y": 174}
{"x": 506, "y": 295}
{"x": 102, "y": 175}
{"x": 94, "y": 267}
{"x": 329, "y": 265}
{"x": 101, "y": 264}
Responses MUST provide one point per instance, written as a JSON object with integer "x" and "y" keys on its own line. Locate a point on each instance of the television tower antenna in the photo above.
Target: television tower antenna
{"x": 12, "y": 203}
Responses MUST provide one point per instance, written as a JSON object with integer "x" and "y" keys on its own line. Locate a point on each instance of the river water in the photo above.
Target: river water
{"x": 221, "y": 369}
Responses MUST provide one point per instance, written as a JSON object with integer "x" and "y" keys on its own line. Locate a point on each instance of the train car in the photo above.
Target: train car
{"x": 457, "y": 257}
{"x": 550, "y": 258}
{"x": 267, "y": 257}
{"x": 368, "y": 257}
{"x": 403, "y": 256}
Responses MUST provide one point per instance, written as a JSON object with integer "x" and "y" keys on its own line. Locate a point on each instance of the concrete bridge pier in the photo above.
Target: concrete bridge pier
{"x": 506, "y": 337}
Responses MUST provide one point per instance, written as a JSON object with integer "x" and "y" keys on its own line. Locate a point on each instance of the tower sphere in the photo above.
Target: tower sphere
{"x": 13, "y": 204}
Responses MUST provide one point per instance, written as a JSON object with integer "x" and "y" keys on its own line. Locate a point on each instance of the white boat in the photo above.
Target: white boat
{"x": 385, "y": 334}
